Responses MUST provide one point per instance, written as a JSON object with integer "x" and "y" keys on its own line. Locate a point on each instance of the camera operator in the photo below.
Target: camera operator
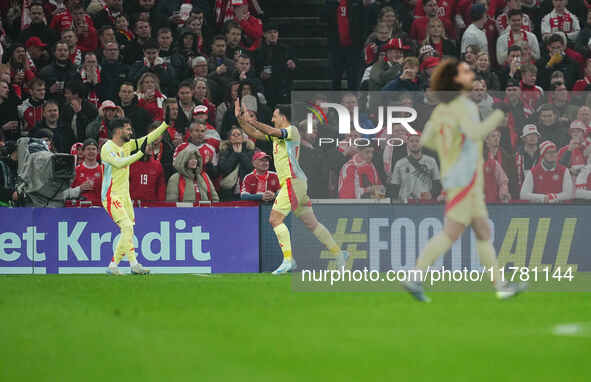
{"x": 8, "y": 173}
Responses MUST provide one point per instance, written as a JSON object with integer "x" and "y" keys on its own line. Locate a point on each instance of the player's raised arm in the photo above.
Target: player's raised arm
{"x": 479, "y": 130}
{"x": 151, "y": 137}
{"x": 244, "y": 124}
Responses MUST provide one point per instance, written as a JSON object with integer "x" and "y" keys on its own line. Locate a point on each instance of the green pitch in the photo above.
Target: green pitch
{"x": 255, "y": 328}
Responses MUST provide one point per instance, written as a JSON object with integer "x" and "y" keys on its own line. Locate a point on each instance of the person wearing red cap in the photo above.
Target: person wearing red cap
{"x": 260, "y": 184}
{"x": 390, "y": 67}
{"x": 548, "y": 181}
{"x": 37, "y": 52}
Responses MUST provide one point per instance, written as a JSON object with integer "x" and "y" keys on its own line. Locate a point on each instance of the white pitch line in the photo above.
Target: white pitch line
{"x": 573, "y": 329}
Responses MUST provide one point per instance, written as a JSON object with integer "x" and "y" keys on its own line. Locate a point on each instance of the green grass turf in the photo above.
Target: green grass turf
{"x": 255, "y": 328}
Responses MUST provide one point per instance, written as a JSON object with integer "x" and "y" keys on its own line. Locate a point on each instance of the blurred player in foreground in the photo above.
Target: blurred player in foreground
{"x": 456, "y": 133}
{"x": 117, "y": 155}
{"x": 293, "y": 195}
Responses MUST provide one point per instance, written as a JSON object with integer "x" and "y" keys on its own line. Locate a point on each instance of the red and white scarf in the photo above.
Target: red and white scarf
{"x": 511, "y": 39}
{"x": 183, "y": 185}
{"x": 561, "y": 23}
{"x": 76, "y": 56}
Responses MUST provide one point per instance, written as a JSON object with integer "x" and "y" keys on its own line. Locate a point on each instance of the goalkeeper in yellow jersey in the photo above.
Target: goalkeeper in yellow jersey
{"x": 117, "y": 154}
{"x": 294, "y": 187}
{"x": 456, "y": 133}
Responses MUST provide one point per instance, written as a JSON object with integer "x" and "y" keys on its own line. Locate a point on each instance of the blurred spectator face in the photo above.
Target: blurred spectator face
{"x": 234, "y": 91}
{"x": 149, "y": 84}
{"x": 109, "y": 113}
{"x": 407, "y": 101}
{"x": 547, "y": 117}
{"x": 246, "y": 90}
{"x": 233, "y": 37}
{"x": 478, "y": 91}
{"x": 143, "y": 29}
{"x": 589, "y": 17}
{"x": 349, "y": 101}
{"x": 550, "y": 157}
{"x": 514, "y": 4}
{"x": 111, "y": 51}
{"x": 197, "y": 21}
{"x": 513, "y": 93}
{"x": 38, "y": 92}
{"x": 20, "y": 55}
{"x": 414, "y": 143}
{"x": 185, "y": 95}
{"x": 121, "y": 23}
{"x": 557, "y": 79}
{"x": 218, "y": 48}
{"x": 515, "y": 23}
{"x": 560, "y": 94}
{"x": 559, "y": 5}
{"x": 90, "y": 152}
{"x": 577, "y": 134}
{"x": 114, "y": 4}
{"x": 173, "y": 110}
{"x": 412, "y": 69}
{"x": 531, "y": 139}
{"x": 35, "y": 52}
{"x": 436, "y": 28}
{"x": 51, "y": 113}
{"x": 151, "y": 55}
{"x": 382, "y": 32}
{"x": 188, "y": 41}
{"x": 389, "y": 18}
{"x": 243, "y": 64}
{"x": 366, "y": 154}
{"x": 271, "y": 37}
{"x": 493, "y": 140}
{"x": 469, "y": 56}
{"x": 584, "y": 114}
{"x": 236, "y": 137}
{"x": 588, "y": 66}
{"x": 394, "y": 55}
{"x": 482, "y": 62}
{"x": 430, "y": 8}
{"x": 37, "y": 14}
{"x": 146, "y": 5}
{"x": 90, "y": 61}
{"x": 70, "y": 38}
{"x": 200, "y": 69}
{"x": 61, "y": 52}
{"x": 197, "y": 133}
{"x": 107, "y": 36}
{"x": 201, "y": 117}
{"x": 200, "y": 90}
{"x": 165, "y": 40}
{"x": 5, "y": 75}
{"x": 4, "y": 89}
{"x": 514, "y": 55}
{"x": 529, "y": 78}
{"x": 398, "y": 131}
{"x": 126, "y": 94}
{"x": 261, "y": 164}
{"x": 555, "y": 48}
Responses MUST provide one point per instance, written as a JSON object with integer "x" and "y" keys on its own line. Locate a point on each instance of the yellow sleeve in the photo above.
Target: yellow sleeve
{"x": 109, "y": 156}
{"x": 134, "y": 144}
{"x": 476, "y": 130}
{"x": 432, "y": 127}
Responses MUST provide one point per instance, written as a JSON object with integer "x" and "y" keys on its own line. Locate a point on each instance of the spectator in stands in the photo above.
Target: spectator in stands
{"x": 153, "y": 63}
{"x": 419, "y": 30}
{"x": 60, "y": 72}
{"x": 359, "y": 178}
{"x": 71, "y": 39}
{"x": 207, "y": 152}
{"x": 200, "y": 114}
{"x": 474, "y": 35}
{"x": 415, "y": 176}
{"x": 583, "y": 183}
{"x": 85, "y": 31}
{"x": 149, "y": 95}
{"x": 481, "y": 98}
{"x": 346, "y": 30}
{"x": 388, "y": 69}
{"x": 548, "y": 181}
{"x": 188, "y": 47}
{"x": 528, "y": 153}
{"x": 515, "y": 117}
{"x": 61, "y": 135}
{"x": 140, "y": 118}
{"x": 21, "y": 71}
{"x": 113, "y": 72}
{"x": 98, "y": 129}
{"x": 149, "y": 13}
{"x": 236, "y": 162}
{"x": 8, "y": 113}
{"x": 146, "y": 178}
{"x": 373, "y": 50}
{"x": 31, "y": 110}
{"x": 88, "y": 174}
{"x": 169, "y": 56}
{"x": 38, "y": 27}
{"x": 8, "y": 173}
{"x": 191, "y": 183}
{"x": 503, "y": 20}
{"x": 550, "y": 127}
{"x": 531, "y": 94}
{"x": 91, "y": 75}
{"x": 37, "y": 52}
{"x": 496, "y": 183}
{"x": 233, "y": 36}
{"x": 560, "y": 20}
{"x": 226, "y": 106}
{"x": 556, "y": 59}
{"x": 220, "y": 67}
{"x": 516, "y": 34}
{"x": 584, "y": 84}
{"x": 107, "y": 35}
{"x": 134, "y": 50}
{"x": 582, "y": 43}
{"x": 251, "y": 25}
{"x": 77, "y": 112}
{"x": 260, "y": 184}
{"x": 573, "y": 155}
{"x": 436, "y": 36}
{"x": 408, "y": 80}
{"x": 198, "y": 67}
{"x": 201, "y": 97}
{"x": 561, "y": 99}
{"x": 510, "y": 69}
{"x": 482, "y": 68}
{"x": 186, "y": 104}
{"x": 492, "y": 150}
{"x": 584, "y": 115}
{"x": 470, "y": 55}
{"x": 275, "y": 64}
{"x": 107, "y": 16}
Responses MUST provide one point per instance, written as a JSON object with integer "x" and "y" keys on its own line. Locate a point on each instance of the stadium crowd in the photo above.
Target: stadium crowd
{"x": 69, "y": 68}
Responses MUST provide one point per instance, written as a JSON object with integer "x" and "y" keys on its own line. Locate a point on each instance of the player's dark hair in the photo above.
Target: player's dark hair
{"x": 285, "y": 110}
{"x": 442, "y": 80}
{"x": 118, "y": 123}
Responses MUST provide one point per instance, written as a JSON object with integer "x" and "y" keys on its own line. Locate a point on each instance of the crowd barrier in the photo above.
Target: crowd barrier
{"x": 231, "y": 239}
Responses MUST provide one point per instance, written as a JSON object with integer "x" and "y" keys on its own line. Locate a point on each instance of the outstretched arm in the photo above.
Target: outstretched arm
{"x": 245, "y": 125}
{"x": 137, "y": 143}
